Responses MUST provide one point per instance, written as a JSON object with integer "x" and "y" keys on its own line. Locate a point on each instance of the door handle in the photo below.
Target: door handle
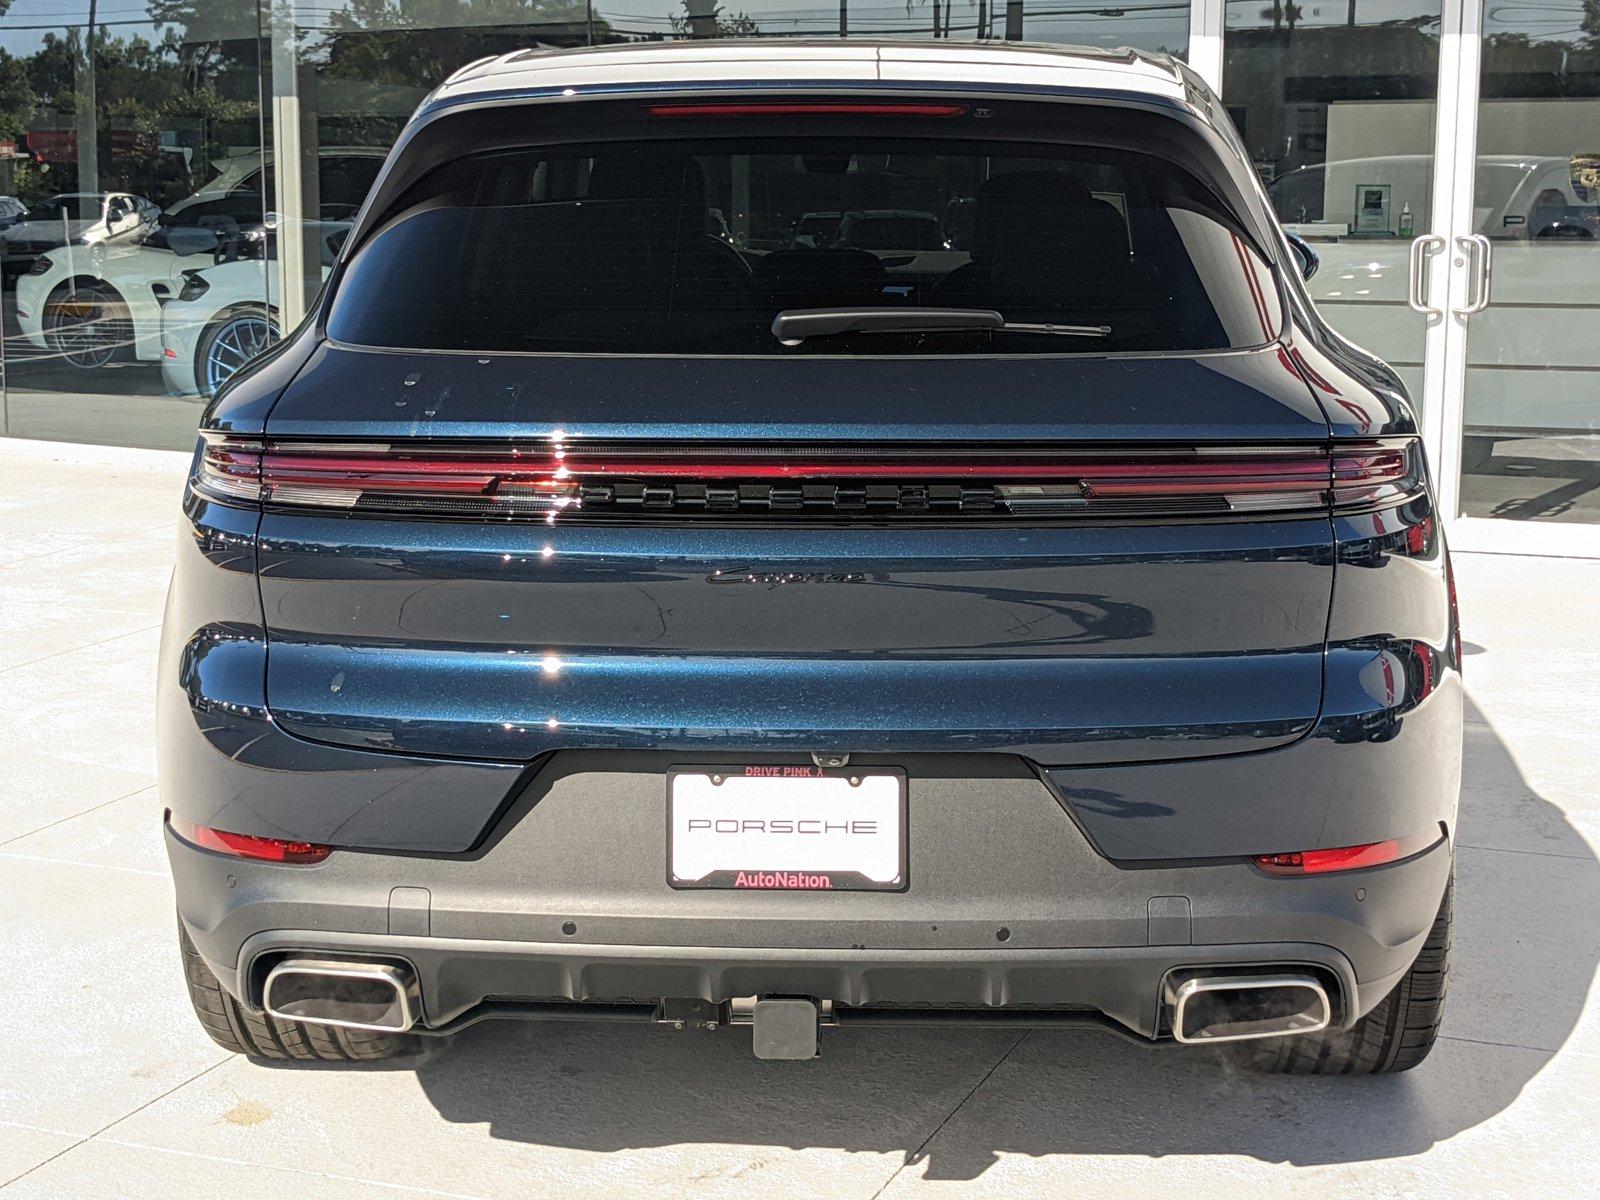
{"x": 1414, "y": 289}
{"x": 1480, "y": 254}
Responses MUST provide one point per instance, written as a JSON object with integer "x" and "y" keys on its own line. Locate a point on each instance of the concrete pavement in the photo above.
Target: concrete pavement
{"x": 108, "y": 1088}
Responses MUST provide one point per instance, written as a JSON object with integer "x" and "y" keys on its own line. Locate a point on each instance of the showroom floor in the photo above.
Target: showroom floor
{"x": 108, "y": 1089}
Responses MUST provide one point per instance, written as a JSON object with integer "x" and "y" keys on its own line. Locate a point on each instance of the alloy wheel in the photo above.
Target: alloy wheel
{"x": 236, "y": 341}
{"x": 87, "y": 326}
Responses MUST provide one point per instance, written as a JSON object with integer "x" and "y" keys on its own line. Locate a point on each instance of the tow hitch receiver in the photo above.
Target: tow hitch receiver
{"x": 785, "y": 1030}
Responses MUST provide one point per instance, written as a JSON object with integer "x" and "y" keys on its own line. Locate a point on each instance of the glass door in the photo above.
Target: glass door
{"x": 1339, "y": 105}
{"x": 1526, "y": 314}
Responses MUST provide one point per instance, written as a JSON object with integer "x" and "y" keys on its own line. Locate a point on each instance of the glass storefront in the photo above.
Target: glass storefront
{"x": 176, "y": 178}
{"x": 120, "y": 138}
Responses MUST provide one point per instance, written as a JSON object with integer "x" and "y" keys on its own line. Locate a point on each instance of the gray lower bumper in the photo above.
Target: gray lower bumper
{"x": 1008, "y": 906}
{"x": 1124, "y": 983}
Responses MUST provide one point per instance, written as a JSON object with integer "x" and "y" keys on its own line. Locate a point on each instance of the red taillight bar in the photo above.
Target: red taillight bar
{"x": 244, "y": 845}
{"x": 1346, "y": 858}
{"x": 352, "y": 475}
{"x": 820, "y": 108}
{"x": 286, "y": 468}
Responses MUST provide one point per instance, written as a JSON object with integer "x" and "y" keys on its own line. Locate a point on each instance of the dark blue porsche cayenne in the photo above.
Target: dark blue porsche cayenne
{"x": 810, "y": 535}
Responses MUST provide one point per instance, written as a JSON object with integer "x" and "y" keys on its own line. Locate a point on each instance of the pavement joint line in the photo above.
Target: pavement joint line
{"x": 90, "y": 1137}
{"x": 93, "y": 808}
{"x": 916, "y": 1155}
{"x": 1519, "y": 850}
{"x": 33, "y": 662}
{"x": 1522, "y": 554}
{"x": 406, "y": 1188}
{"x": 78, "y": 862}
{"x": 1450, "y": 1037}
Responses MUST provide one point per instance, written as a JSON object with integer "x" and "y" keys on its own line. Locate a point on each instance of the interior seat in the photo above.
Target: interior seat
{"x": 699, "y": 271}
{"x": 1041, "y": 244}
{"x": 837, "y": 278}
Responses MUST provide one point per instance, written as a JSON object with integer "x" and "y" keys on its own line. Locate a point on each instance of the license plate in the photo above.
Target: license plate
{"x": 786, "y": 828}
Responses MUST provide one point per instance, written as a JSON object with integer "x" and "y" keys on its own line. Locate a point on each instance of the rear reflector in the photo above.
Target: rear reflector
{"x": 595, "y": 479}
{"x": 1346, "y": 858}
{"x": 243, "y": 845}
{"x": 807, "y": 109}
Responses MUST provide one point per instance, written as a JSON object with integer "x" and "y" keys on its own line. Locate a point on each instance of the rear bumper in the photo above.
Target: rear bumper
{"x": 1009, "y": 909}
{"x": 461, "y": 979}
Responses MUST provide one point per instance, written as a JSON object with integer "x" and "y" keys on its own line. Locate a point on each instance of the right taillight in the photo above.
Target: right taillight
{"x": 1347, "y": 858}
{"x": 1375, "y": 475}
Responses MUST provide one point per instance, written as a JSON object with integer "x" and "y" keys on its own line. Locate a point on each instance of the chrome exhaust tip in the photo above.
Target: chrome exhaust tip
{"x": 1237, "y": 1008}
{"x": 375, "y": 997}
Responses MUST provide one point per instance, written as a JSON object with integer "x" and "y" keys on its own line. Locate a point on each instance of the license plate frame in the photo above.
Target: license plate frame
{"x": 769, "y": 877}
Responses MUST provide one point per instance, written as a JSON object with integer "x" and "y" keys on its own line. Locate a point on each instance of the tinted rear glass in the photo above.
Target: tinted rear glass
{"x": 685, "y": 246}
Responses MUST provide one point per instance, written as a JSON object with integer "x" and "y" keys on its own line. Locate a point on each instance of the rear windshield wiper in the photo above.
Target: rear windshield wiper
{"x": 795, "y": 325}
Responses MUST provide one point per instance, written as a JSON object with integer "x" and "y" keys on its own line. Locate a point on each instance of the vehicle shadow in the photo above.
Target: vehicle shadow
{"x": 1522, "y": 970}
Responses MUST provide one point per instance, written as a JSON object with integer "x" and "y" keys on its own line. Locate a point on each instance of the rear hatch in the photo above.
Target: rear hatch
{"x": 562, "y": 478}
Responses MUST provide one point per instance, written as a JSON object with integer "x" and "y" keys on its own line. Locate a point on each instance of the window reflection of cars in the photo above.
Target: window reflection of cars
{"x": 217, "y": 322}
{"x": 1520, "y": 197}
{"x": 92, "y": 221}
{"x": 244, "y": 189}
{"x": 12, "y": 210}
{"x": 816, "y": 229}
{"x": 879, "y": 229}
{"x": 94, "y": 310}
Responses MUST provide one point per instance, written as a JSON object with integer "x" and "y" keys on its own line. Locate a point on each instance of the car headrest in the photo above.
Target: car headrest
{"x": 669, "y": 189}
{"x": 1044, "y": 220}
{"x": 820, "y": 278}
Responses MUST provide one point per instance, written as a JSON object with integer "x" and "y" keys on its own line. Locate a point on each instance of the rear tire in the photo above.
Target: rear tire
{"x": 237, "y": 1029}
{"x": 1395, "y": 1036}
{"x": 88, "y": 324}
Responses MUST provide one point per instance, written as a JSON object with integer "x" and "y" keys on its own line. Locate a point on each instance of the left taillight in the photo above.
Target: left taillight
{"x": 244, "y": 845}
{"x": 229, "y": 469}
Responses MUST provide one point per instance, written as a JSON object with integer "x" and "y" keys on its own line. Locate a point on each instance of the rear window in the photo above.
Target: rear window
{"x": 685, "y": 246}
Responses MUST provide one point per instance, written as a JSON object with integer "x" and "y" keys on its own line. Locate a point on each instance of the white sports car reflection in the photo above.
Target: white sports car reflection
{"x": 225, "y": 315}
